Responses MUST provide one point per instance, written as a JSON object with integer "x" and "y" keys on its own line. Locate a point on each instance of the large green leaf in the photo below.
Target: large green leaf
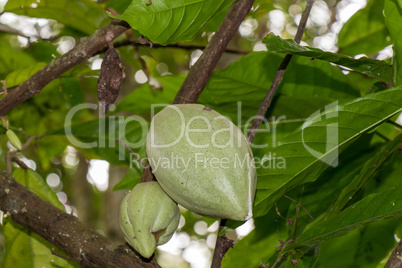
{"x": 365, "y": 32}
{"x": 372, "y": 208}
{"x": 167, "y": 22}
{"x": 12, "y": 59}
{"x": 365, "y": 247}
{"x": 306, "y": 153}
{"x": 380, "y": 159}
{"x": 343, "y": 185}
{"x": 317, "y": 198}
{"x": 24, "y": 248}
{"x": 374, "y": 68}
{"x": 83, "y": 15}
{"x": 306, "y": 87}
{"x": 393, "y": 18}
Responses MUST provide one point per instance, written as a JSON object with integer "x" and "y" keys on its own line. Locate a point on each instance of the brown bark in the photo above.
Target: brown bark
{"x": 84, "y": 245}
{"x": 395, "y": 261}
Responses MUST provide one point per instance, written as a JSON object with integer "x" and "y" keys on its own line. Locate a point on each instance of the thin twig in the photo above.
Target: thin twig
{"x": 144, "y": 165}
{"x": 177, "y": 45}
{"x": 278, "y": 213}
{"x": 282, "y": 246}
{"x": 143, "y": 63}
{"x": 145, "y": 68}
{"x": 297, "y": 212}
{"x": 311, "y": 217}
{"x": 222, "y": 245}
{"x": 11, "y": 154}
{"x": 19, "y": 162}
{"x": 278, "y": 76}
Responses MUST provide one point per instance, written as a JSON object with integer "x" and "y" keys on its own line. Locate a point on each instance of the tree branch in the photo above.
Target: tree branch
{"x": 395, "y": 261}
{"x": 56, "y": 67}
{"x": 222, "y": 245}
{"x": 220, "y": 250}
{"x": 200, "y": 72}
{"x": 63, "y": 230}
{"x": 177, "y": 45}
{"x": 278, "y": 76}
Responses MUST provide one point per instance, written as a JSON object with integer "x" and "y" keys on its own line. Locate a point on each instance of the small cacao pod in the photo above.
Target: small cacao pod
{"x": 14, "y": 140}
{"x": 148, "y": 217}
{"x": 202, "y": 161}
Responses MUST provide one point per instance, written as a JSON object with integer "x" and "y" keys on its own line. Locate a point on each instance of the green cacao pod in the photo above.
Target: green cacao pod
{"x": 148, "y": 217}
{"x": 202, "y": 161}
{"x": 14, "y": 140}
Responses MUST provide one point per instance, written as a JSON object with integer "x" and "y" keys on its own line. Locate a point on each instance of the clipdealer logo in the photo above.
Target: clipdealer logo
{"x": 116, "y": 131}
{"x": 330, "y": 154}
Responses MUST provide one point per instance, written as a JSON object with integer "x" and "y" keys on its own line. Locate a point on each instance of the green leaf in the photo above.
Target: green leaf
{"x": 36, "y": 184}
{"x": 320, "y": 195}
{"x": 365, "y": 247}
{"x": 372, "y": 208}
{"x": 18, "y": 77}
{"x": 214, "y": 23}
{"x": 12, "y": 59}
{"x": 380, "y": 159}
{"x": 167, "y": 22}
{"x": 130, "y": 179}
{"x": 42, "y": 51}
{"x": 24, "y": 248}
{"x": 307, "y": 152}
{"x": 374, "y": 68}
{"x": 393, "y": 18}
{"x": 365, "y": 32}
{"x": 84, "y": 15}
